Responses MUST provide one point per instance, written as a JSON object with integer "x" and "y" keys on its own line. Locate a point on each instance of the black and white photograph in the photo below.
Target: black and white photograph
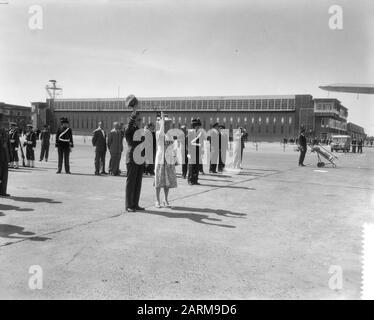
{"x": 186, "y": 150}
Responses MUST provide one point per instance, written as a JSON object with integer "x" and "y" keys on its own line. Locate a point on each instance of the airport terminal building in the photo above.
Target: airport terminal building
{"x": 266, "y": 118}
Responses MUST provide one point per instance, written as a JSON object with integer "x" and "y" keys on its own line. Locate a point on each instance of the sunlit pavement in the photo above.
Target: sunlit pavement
{"x": 273, "y": 231}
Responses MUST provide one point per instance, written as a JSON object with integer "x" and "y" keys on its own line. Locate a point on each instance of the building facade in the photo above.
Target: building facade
{"x": 330, "y": 118}
{"x": 266, "y": 118}
{"x": 355, "y": 131}
{"x": 15, "y": 113}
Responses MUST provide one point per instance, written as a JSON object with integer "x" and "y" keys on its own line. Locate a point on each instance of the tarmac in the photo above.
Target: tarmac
{"x": 273, "y": 231}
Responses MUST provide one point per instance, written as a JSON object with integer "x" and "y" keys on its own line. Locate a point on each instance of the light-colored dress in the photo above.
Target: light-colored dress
{"x": 166, "y": 155}
{"x": 237, "y": 149}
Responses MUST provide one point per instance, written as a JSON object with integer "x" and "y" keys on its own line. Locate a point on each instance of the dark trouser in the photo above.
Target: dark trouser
{"x": 353, "y": 149}
{"x": 214, "y": 160}
{"x": 30, "y": 154}
{"x": 133, "y": 184}
{"x": 185, "y": 167}
{"x": 193, "y": 173}
{"x": 150, "y": 169}
{"x": 63, "y": 154}
{"x": 100, "y": 160}
{"x": 3, "y": 178}
{"x": 44, "y": 152}
{"x": 302, "y": 156}
{"x": 359, "y": 149}
{"x": 115, "y": 159}
{"x": 13, "y": 153}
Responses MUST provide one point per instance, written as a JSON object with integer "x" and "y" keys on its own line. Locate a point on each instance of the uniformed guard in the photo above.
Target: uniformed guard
{"x": 64, "y": 143}
{"x": 30, "y": 144}
{"x": 133, "y": 160}
{"x": 14, "y": 145}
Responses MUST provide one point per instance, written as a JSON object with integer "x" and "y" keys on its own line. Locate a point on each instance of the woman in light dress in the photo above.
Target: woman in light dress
{"x": 165, "y": 174}
{"x": 238, "y": 147}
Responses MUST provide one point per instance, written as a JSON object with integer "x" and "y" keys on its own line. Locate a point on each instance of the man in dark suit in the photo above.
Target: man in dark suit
{"x": 223, "y": 145}
{"x": 45, "y": 137}
{"x": 134, "y": 160}
{"x": 4, "y": 159}
{"x": 99, "y": 142}
{"x": 115, "y": 146}
{"x": 184, "y": 150}
{"x": 64, "y": 143}
{"x": 302, "y": 147}
{"x": 214, "y": 148}
{"x": 194, "y": 145}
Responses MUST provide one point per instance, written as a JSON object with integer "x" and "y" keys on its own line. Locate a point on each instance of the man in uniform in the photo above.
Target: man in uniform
{"x": 64, "y": 143}
{"x": 45, "y": 137}
{"x": 135, "y": 166}
{"x": 14, "y": 145}
{"x": 99, "y": 142}
{"x": 194, "y": 138}
{"x": 115, "y": 146}
{"x": 30, "y": 144}
{"x": 302, "y": 147}
{"x": 4, "y": 159}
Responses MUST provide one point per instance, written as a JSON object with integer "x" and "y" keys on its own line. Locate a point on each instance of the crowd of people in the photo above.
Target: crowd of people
{"x": 151, "y": 150}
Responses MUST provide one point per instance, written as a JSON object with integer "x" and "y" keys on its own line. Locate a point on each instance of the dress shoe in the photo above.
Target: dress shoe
{"x": 97, "y": 174}
{"x": 130, "y": 210}
{"x": 58, "y": 172}
{"x": 103, "y": 172}
{"x": 139, "y": 208}
{"x": 5, "y": 195}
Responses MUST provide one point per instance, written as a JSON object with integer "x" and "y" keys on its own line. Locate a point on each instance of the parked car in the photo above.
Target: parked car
{"x": 340, "y": 142}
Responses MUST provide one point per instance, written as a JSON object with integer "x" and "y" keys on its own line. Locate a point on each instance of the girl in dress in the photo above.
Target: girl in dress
{"x": 165, "y": 174}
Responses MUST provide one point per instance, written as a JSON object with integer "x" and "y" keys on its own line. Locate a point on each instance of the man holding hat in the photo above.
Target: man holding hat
{"x": 4, "y": 159}
{"x": 14, "y": 144}
{"x": 64, "y": 143}
{"x": 134, "y": 164}
{"x": 302, "y": 147}
{"x": 30, "y": 144}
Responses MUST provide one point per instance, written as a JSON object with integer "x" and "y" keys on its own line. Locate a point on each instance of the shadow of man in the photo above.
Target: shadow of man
{"x": 9, "y": 231}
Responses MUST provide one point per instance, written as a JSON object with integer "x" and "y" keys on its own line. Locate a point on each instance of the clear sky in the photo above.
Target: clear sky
{"x": 187, "y": 47}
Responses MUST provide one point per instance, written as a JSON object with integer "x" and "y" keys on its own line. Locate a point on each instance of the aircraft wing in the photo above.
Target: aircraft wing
{"x": 350, "y": 88}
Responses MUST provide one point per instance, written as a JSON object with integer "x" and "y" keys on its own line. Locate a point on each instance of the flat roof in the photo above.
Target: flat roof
{"x": 247, "y": 97}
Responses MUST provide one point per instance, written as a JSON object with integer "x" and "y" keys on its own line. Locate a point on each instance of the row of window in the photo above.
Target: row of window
{"x": 332, "y": 123}
{"x": 254, "y": 104}
{"x": 90, "y": 123}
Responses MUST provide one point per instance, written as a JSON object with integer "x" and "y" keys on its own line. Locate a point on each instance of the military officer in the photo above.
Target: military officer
{"x": 30, "y": 144}
{"x": 14, "y": 145}
{"x": 64, "y": 143}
